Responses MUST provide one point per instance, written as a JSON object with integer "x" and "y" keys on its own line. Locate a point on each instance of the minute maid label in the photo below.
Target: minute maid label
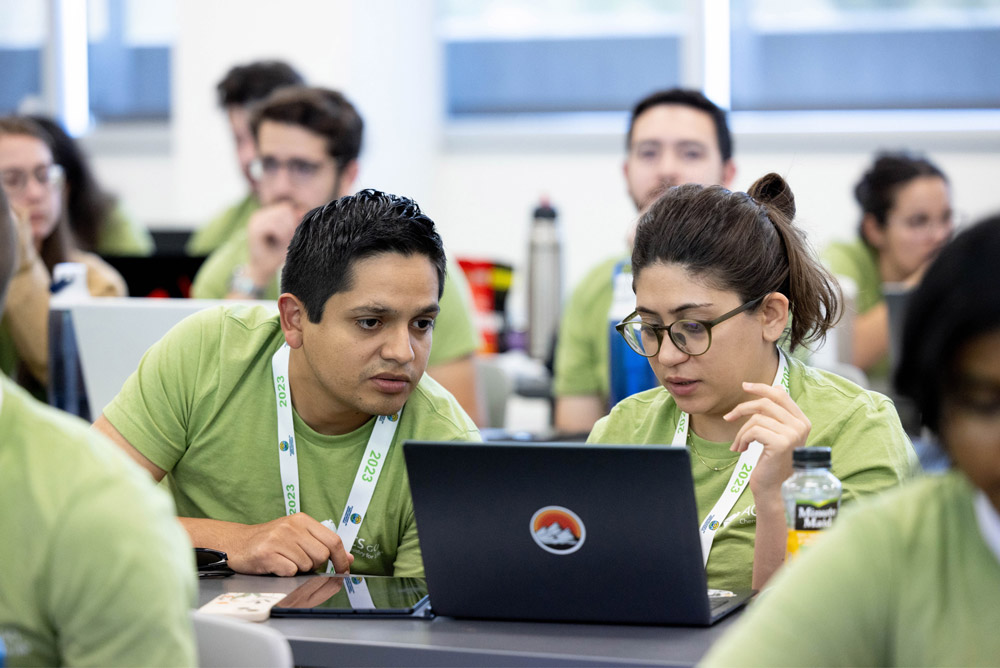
{"x": 810, "y": 519}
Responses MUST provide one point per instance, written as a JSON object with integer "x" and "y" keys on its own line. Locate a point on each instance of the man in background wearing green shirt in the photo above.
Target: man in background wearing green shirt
{"x": 308, "y": 141}
{"x": 241, "y": 88}
{"x": 94, "y": 568}
{"x": 675, "y": 136}
{"x": 235, "y": 404}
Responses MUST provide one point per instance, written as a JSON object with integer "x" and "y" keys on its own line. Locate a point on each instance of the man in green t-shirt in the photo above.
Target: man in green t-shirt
{"x": 241, "y": 88}
{"x": 308, "y": 141}
{"x": 269, "y": 427}
{"x": 675, "y": 136}
{"x": 95, "y": 568}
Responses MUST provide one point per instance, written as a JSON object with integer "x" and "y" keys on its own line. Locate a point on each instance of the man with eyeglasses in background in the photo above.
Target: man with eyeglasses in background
{"x": 241, "y": 88}
{"x": 308, "y": 141}
{"x": 675, "y": 136}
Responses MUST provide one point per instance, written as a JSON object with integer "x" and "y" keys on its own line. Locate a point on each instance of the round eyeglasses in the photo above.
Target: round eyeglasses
{"x": 691, "y": 337}
{"x": 300, "y": 171}
{"x": 16, "y": 180}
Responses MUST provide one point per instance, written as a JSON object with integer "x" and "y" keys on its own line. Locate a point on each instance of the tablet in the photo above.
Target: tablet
{"x": 355, "y": 595}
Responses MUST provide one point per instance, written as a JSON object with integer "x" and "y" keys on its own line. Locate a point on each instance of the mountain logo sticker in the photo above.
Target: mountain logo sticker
{"x": 557, "y": 530}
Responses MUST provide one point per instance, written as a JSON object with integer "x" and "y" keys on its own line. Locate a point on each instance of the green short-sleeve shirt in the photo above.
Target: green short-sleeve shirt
{"x": 871, "y": 452}
{"x": 201, "y": 407}
{"x": 455, "y": 333}
{"x": 121, "y": 235}
{"x": 581, "y": 361}
{"x": 858, "y": 261}
{"x": 96, "y": 570}
{"x": 905, "y": 580}
{"x": 225, "y": 226}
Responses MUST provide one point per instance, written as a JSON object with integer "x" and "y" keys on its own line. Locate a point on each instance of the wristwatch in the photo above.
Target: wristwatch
{"x": 242, "y": 284}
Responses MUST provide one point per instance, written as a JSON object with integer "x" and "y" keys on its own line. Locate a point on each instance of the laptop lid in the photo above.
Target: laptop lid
{"x": 559, "y": 531}
{"x": 112, "y": 335}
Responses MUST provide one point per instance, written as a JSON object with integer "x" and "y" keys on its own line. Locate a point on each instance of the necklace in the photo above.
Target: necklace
{"x": 714, "y": 468}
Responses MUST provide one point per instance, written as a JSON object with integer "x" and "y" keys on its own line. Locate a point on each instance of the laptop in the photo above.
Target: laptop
{"x": 562, "y": 532}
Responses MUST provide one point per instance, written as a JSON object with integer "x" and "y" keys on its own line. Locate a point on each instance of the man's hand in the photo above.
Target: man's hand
{"x": 270, "y": 230}
{"x": 285, "y": 546}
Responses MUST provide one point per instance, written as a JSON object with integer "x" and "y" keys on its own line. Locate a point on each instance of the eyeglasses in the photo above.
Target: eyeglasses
{"x": 16, "y": 180}
{"x": 300, "y": 171}
{"x": 692, "y": 337}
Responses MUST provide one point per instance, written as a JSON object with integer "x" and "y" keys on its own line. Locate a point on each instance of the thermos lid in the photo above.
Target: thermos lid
{"x": 544, "y": 210}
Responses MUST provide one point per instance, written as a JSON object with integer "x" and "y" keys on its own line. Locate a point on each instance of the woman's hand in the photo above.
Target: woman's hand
{"x": 778, "y": 423}
{"x": 775, "y": 421}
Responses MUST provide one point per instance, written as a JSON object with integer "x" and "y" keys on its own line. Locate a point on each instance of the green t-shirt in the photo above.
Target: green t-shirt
{"x": 96, "y": 570}
{"x": 455, "y": 333}
{"x": 905, "y": 580}
{"x": 858, "y": 261}
{"x": 121, "y": 235}
{"x": 581, "y": 361}
{"x": 201, "y": 407}
{"x": 870, "y": 453}
{"x": 223, "y": 227}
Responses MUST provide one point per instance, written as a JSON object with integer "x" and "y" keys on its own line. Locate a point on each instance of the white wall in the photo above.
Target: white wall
{"x": 479, "y": 184}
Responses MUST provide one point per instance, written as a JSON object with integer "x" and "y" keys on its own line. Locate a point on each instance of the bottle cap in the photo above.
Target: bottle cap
{"x": 544, "y": 210}
{"x": 813, "y": 457}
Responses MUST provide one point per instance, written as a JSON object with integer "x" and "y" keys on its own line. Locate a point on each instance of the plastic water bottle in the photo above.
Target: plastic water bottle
{"x": 544, "y": 281}
{"x": 812, "y": 498}
{"x": 66, "y": 389}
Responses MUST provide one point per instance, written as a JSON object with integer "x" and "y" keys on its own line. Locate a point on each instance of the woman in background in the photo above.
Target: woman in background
{"x": 906, "y": 219}
{"x": 715, "y": 275}
{"x": 94, "y": 215}
{"x": 912, "y": 578}
{"x": 34, "y": 184}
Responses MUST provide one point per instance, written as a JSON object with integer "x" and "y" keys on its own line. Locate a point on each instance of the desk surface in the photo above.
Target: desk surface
{"x": 444, "y": 641}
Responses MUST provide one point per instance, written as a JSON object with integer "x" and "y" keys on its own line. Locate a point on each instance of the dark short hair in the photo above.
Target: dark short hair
{"x": 320, "y": 110}
{"x": 744, "y": 243}
{"x": 686, "y": 98}
{"x": 958, "y": 300}
{"x": 876, "y": 191}
{"x": 251, "y": 82}
{"x": 332, "y": 238}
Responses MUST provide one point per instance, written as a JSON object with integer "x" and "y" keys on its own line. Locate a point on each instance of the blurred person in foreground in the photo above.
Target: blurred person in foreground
{"x": 912, "y": 577}
{"x": 94, "y": 568}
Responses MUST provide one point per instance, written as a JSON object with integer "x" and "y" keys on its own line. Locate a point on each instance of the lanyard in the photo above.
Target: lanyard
{"x": 368, "y": 472}
{"x": 358, "y": 594}
{"x": 741, "y": 473}
{"x": 623, "y": 299}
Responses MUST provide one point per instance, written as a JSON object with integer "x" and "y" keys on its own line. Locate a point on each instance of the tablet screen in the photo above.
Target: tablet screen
{"x": 341, "y": 595}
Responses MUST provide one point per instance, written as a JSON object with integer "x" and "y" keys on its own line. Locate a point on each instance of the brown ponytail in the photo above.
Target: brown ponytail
{"x": 744, "y": 243}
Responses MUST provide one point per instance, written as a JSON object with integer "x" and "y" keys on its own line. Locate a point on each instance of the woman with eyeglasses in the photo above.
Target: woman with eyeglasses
{"x": 907, "y": 218}
{"x": 34, "y": 185}
{"x": 912, "y": 578}
{"x": 716, "y": 274}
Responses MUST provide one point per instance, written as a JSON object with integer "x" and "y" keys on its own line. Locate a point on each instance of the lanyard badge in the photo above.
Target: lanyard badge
{"x": 372, "y": 462}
